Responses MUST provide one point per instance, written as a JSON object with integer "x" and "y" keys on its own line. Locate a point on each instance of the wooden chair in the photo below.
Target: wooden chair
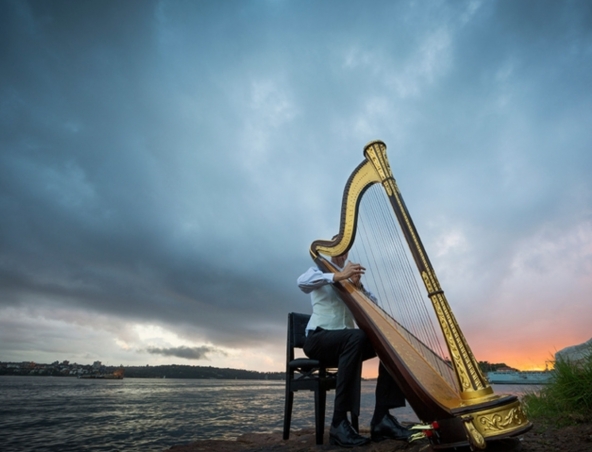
{"x": 306, "y": 374}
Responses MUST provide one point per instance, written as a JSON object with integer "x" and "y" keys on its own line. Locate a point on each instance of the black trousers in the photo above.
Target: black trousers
{"x": 347, "y": 349}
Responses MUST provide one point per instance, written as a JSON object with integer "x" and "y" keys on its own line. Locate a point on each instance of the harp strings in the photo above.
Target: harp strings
{"x": 393, "y": 279}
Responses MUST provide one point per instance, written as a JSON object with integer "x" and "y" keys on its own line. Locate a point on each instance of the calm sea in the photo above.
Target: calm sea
{"x": 69, "y": 414}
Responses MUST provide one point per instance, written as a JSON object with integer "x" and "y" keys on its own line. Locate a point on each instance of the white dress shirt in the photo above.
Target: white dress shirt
{"x": 328, "y": 310}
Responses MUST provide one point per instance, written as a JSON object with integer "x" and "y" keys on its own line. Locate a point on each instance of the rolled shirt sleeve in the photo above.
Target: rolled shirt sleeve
{"x": 313, "y": 279}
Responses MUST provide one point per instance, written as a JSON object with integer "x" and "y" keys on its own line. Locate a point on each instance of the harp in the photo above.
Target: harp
{"x": 443, "y": 385}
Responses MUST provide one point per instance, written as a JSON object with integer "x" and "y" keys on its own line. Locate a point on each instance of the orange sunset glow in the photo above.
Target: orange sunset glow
{"x": 530, "y": 355}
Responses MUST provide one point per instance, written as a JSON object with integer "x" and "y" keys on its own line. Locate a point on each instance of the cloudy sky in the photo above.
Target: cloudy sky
{"x": 165, "y": 165}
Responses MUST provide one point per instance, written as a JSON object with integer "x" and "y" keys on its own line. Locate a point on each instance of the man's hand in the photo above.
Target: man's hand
{"x": 351, "y": 271}
{"x": 357, "y": 280}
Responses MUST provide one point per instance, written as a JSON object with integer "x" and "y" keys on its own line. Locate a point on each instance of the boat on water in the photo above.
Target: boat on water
{"x": 520, "y": 377}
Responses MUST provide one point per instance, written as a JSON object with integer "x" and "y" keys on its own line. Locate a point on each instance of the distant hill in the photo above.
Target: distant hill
{"x": 67, "y": 369}
{"x": 492, "y": 367}
{"x": 183, "y": 371}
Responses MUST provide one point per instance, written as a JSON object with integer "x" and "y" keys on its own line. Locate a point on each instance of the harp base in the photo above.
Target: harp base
{"x": 476, "y": 428}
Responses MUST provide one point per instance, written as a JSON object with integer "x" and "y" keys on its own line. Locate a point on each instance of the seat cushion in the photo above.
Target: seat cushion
{"x": 304, "y": 363}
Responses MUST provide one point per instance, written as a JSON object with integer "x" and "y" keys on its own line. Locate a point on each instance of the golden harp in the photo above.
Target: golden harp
{"x": 448, "y": 392}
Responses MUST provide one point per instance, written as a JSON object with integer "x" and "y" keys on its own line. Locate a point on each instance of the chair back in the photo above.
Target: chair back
{"x": 297, "y": 326}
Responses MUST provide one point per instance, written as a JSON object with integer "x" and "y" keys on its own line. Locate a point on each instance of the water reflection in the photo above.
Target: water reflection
{"x": 66, "y": 414}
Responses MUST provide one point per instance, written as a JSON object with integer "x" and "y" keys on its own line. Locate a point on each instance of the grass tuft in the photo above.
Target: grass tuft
{"x": 567, "y": 400}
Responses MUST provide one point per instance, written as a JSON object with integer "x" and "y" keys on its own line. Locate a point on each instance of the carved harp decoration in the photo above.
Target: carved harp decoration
{"x": 442, "y": 384}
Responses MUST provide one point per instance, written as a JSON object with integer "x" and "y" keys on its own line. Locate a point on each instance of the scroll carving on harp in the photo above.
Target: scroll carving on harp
{"x": 412, "y": 326}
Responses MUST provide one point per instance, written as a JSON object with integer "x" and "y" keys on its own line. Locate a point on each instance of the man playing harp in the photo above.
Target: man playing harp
{"x": 447, "y": 390}
{"x": 332, "y": 338}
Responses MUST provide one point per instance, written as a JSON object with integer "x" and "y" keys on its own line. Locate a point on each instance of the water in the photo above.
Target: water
{"x": 69, "y": 414}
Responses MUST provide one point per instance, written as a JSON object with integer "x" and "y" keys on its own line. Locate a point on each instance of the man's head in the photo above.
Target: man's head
{"x": 339, "y": 260}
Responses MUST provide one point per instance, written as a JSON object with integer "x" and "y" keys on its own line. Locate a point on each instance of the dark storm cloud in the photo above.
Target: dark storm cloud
{"x": 184, "y": 352}
{"x": 94, "y": 197}
{"x": 170, "y": 162}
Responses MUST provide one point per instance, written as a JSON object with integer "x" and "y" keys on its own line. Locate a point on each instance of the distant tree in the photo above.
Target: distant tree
{"x": 486, "y": 366}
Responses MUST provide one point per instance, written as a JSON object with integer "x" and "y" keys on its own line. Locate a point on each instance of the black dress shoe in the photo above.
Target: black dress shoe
{"x": 389, "y": 428}
{"x": 345, "y": 435}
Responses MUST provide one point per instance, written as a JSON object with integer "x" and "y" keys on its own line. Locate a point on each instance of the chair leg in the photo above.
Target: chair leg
{"x": 320, "y": 404}
{"x": 288, "y": 413}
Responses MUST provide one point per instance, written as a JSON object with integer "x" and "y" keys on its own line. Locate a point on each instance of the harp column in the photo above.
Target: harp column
{"x": 472, "y": 383}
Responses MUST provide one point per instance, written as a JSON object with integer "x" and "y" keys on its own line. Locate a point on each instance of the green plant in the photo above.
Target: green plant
{"x": 568, "y": 398}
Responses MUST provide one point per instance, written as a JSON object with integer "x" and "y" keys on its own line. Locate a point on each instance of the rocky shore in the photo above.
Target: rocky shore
{"x": 540, "y": 439}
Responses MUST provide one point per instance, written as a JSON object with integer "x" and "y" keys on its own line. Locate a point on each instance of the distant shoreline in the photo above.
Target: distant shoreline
{"x": 67, "y": 369}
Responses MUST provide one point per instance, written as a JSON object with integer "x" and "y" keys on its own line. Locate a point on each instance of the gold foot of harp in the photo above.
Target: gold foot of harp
{"x": 448, "y": 388}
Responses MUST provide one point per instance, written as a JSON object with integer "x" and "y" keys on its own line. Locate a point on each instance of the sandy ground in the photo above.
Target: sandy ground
{"x": 539, "y": 439}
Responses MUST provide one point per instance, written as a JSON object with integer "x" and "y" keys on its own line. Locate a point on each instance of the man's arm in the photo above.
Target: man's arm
{"x": 350, "y": 271}
{"x": 314, "y": 278}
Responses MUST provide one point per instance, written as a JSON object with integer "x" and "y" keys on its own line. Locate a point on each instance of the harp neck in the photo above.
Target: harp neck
{"x": 374, "y": 169}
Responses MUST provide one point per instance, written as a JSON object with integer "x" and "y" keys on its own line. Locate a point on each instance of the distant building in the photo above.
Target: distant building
{"x": 575, "y": 353}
